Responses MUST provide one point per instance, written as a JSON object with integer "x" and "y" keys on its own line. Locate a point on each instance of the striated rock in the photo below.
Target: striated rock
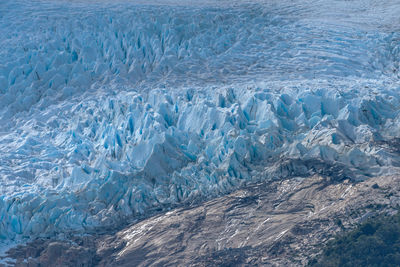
{"x": 282, "y": 223}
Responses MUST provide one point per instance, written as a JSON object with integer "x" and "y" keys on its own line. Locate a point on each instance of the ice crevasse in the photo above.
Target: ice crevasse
{"x": 115, "y": 110}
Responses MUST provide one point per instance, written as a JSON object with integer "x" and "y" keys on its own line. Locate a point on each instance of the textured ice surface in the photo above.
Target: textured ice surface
{"x": 108, "y": 110}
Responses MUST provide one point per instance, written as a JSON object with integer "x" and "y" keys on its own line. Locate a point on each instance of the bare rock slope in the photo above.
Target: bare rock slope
{"x": 280, "y": 223}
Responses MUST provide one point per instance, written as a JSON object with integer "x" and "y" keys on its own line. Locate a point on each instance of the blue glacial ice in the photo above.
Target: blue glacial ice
{"x": 109, "y": 110}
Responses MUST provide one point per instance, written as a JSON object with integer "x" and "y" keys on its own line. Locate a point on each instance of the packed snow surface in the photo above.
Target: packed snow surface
{"x": 109, "y": 110}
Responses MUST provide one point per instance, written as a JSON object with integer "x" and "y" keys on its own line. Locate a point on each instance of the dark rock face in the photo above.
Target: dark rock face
{"x": 281, "y": 223}
{"x": 59, "y": 253}
{"x": 56, "y": 253}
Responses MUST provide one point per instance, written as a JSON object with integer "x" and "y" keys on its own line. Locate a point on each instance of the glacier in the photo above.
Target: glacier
{"x": 112, "y": 110}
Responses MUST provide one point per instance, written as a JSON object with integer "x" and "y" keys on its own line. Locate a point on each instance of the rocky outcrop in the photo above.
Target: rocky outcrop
{"x": 281, "y": 223}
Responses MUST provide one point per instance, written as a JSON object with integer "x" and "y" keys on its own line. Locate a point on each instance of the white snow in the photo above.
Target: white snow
{"x": 110, "y": 109}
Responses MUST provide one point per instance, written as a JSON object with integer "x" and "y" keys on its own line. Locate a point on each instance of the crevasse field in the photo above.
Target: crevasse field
{"x": 112, "y": 110}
